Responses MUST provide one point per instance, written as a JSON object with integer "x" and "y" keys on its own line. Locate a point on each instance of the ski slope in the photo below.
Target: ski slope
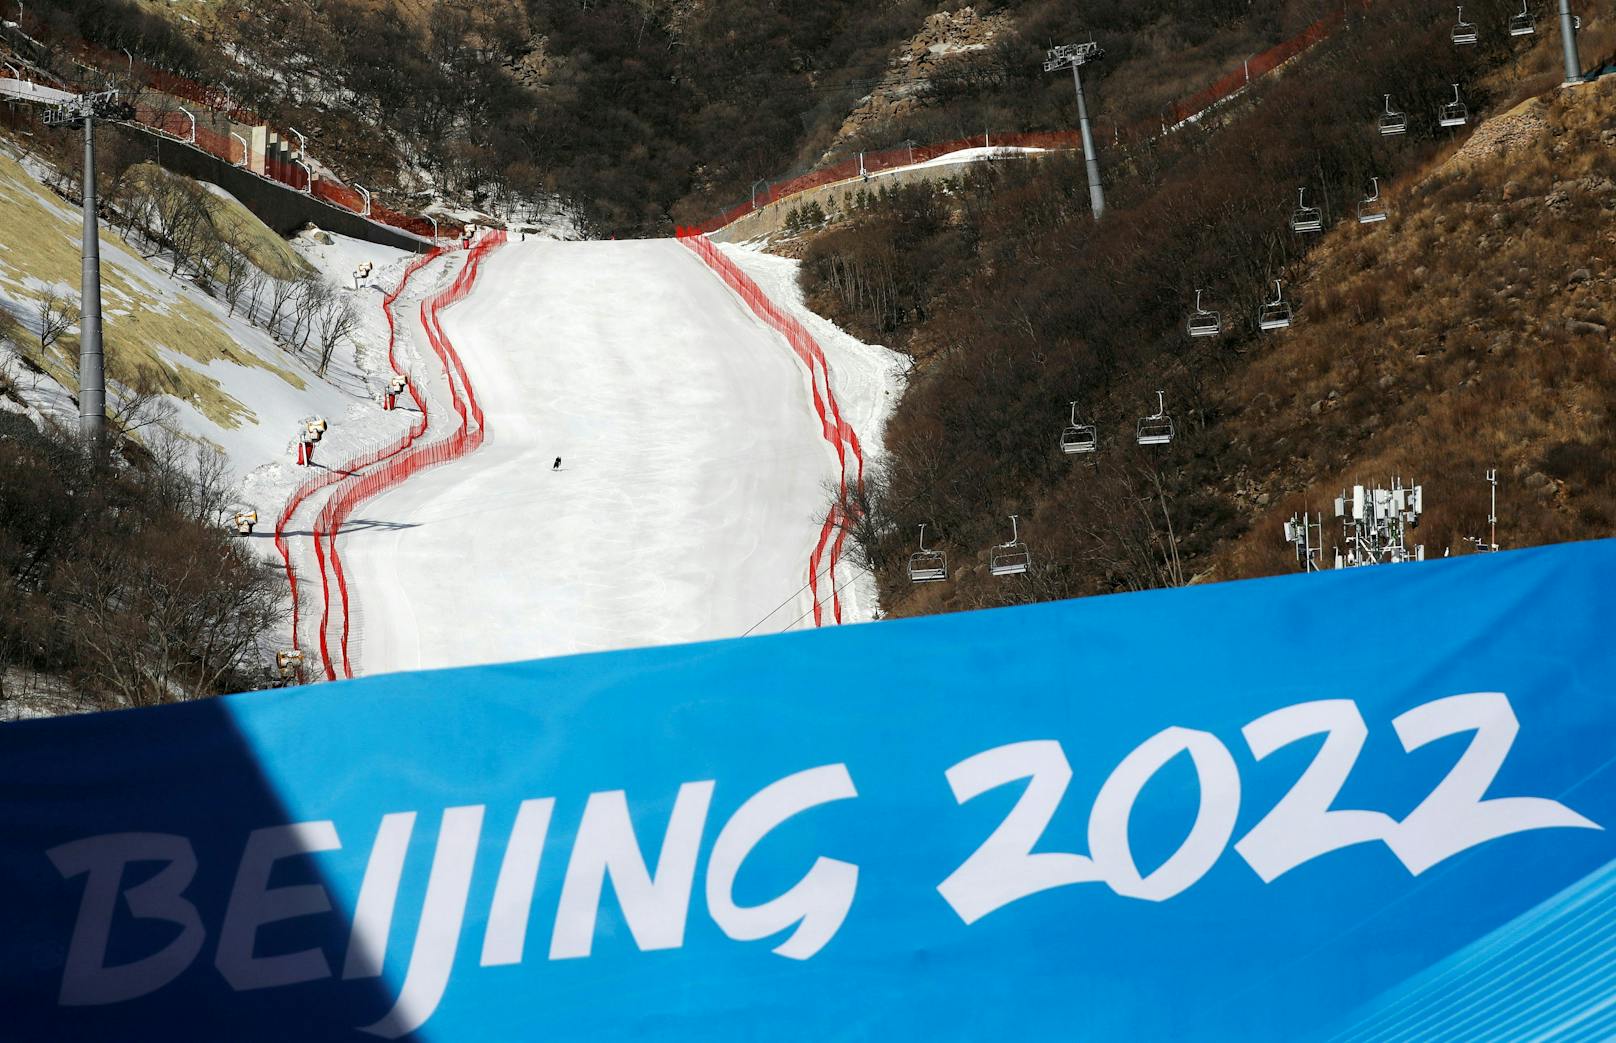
{"x": 695, "y": 476}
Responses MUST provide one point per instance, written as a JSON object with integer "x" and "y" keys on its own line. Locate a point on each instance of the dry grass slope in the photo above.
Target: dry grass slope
{"x": 149, "y": 330}
{"x": 1470, "y": 331}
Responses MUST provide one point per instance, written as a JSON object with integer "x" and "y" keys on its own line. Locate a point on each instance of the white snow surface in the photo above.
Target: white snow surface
{"x": 867, "y": 380}
{"x": 349, "y": 396}
{"x": 694, "y": 479}
{"x": 971, "y": 155}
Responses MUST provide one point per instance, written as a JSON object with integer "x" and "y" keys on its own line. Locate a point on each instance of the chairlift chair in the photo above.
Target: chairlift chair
{"x": 1454, "y": 113}
{"x": 927, "y": 566}
{"x": 1204, "y": 323}
{"x": 1010, "y": 558}
{"x": 1156, "y": 429}
{"x": 1079, "y": 438}
{"x": 1464, "y": 33}
{"x": 1306, "y": 218}
{"x": 1372, "y": 209}
{"x": 1523, "y": 24}
{"x": 1393, "y": 121}
{"x": 1274, "y": 314}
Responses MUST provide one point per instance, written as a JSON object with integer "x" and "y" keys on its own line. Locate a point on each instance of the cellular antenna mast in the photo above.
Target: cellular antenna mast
{"x": 1305, "y": 533}
{"x": 1492, "y": 507}
{"x": 1074, "y": 56}
{"x": 1375, "y": 524}
{"x": 1491, "y": 543}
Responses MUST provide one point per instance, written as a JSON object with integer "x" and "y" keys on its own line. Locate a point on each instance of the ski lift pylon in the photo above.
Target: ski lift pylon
{"x": 1204, "y": 323}
{"x": 1079, "y": 438}
{"x": 1012, "y": 557}
{"x": 1454, "y": 113}
{"x": 1274, "y": 314}
{"x": 1393, "y": 121}
{"x": 1156, "y": 429}
{"x": 1306, "y": 218}
{"x": 1523, "y": 24}
{"x": 927, "y": 566}
{"x": 1464, "y": 33}
{"x": 1372, "y": 209}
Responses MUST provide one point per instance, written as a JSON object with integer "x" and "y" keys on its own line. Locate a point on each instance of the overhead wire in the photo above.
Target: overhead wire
{"x": 796, "y": 593}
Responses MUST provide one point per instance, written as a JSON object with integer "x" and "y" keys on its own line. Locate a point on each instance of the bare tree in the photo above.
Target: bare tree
{"x": 312, "y": 294}
{"x": 337, "y": 321}
{"x": 133, "y": 206}
{"x": 57, "y": 314}
{"x": 186, "y": 221}
{"x": 191, "y": 478}
{"x": 1132, "y": 535}
{"x": 170, "y": 622}
{"x": 278, "y": 293}
{"x": 234, "y": 270}
{"x": 141, "y": 402}
{"x": 252, "y": 288}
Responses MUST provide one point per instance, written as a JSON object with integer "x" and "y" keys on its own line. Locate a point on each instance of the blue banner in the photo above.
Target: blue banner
{"x": 1361, "y": 805}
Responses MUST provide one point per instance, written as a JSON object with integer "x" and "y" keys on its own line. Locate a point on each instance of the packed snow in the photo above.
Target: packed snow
{"x": 693, "y": 482}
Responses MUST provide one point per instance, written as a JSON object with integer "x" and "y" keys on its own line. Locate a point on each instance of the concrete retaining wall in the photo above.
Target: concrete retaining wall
{"x": 283, "y": 209}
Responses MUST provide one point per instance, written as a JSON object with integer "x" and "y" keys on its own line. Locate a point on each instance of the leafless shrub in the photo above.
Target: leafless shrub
{"x": 307, "y": 303}
{"x": 140, "y": 403}
{"x": 57, "y": 314}
{"x": 235, "y": 272}
{"x": 337, "y": 321}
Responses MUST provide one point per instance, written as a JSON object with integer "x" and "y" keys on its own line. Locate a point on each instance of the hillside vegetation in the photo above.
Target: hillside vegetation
{"x": 1014, "y": 303}
{"x": 1472, "y": 333}
{"x": 118, "y": 584}
{"x": 159, "y": 339}
{"x": 643, "y": 112}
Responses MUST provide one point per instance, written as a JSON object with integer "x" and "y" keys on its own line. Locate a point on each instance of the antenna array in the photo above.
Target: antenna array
{"x": 1305, "y": 533}
{"x": 1375, "y": 523}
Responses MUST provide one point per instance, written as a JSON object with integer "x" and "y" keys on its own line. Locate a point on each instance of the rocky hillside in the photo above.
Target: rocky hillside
{"x": 641, "y": 114}
{"x": 1466, "y": 333}
{"x": 1470, "y": 332}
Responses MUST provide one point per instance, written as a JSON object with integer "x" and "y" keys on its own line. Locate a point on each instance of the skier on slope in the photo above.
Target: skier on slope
{"x": 557, "y": 465}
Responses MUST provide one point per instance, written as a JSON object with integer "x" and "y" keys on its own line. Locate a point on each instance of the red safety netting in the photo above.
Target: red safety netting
{"x": 384, "y": 467}
{"x": 332, "y": 476}
{"x": 1255, "y": 66}
{"x": 399, "y": 467}
{"x": 835, "y": 429}
{"x": 875, "y": 162}
{"x": 167, "y": 82}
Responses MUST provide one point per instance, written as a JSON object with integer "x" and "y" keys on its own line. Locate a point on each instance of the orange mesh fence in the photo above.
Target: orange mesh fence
{"x": 166, "y": 119}
{"x": 875, "y": 162}
{"x": 370, "y": 473}
{"x": 836, "y": 430}
{"x": 331, "y": 477}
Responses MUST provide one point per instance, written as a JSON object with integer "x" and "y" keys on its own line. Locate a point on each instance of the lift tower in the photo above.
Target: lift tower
{"x": 1568, "y": 43}
{"x": 86, "y": 109}
{"x": 1076, "y": 55}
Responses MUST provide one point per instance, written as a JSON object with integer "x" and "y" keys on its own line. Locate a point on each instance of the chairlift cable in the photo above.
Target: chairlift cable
{"x": 821, "y": 575}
